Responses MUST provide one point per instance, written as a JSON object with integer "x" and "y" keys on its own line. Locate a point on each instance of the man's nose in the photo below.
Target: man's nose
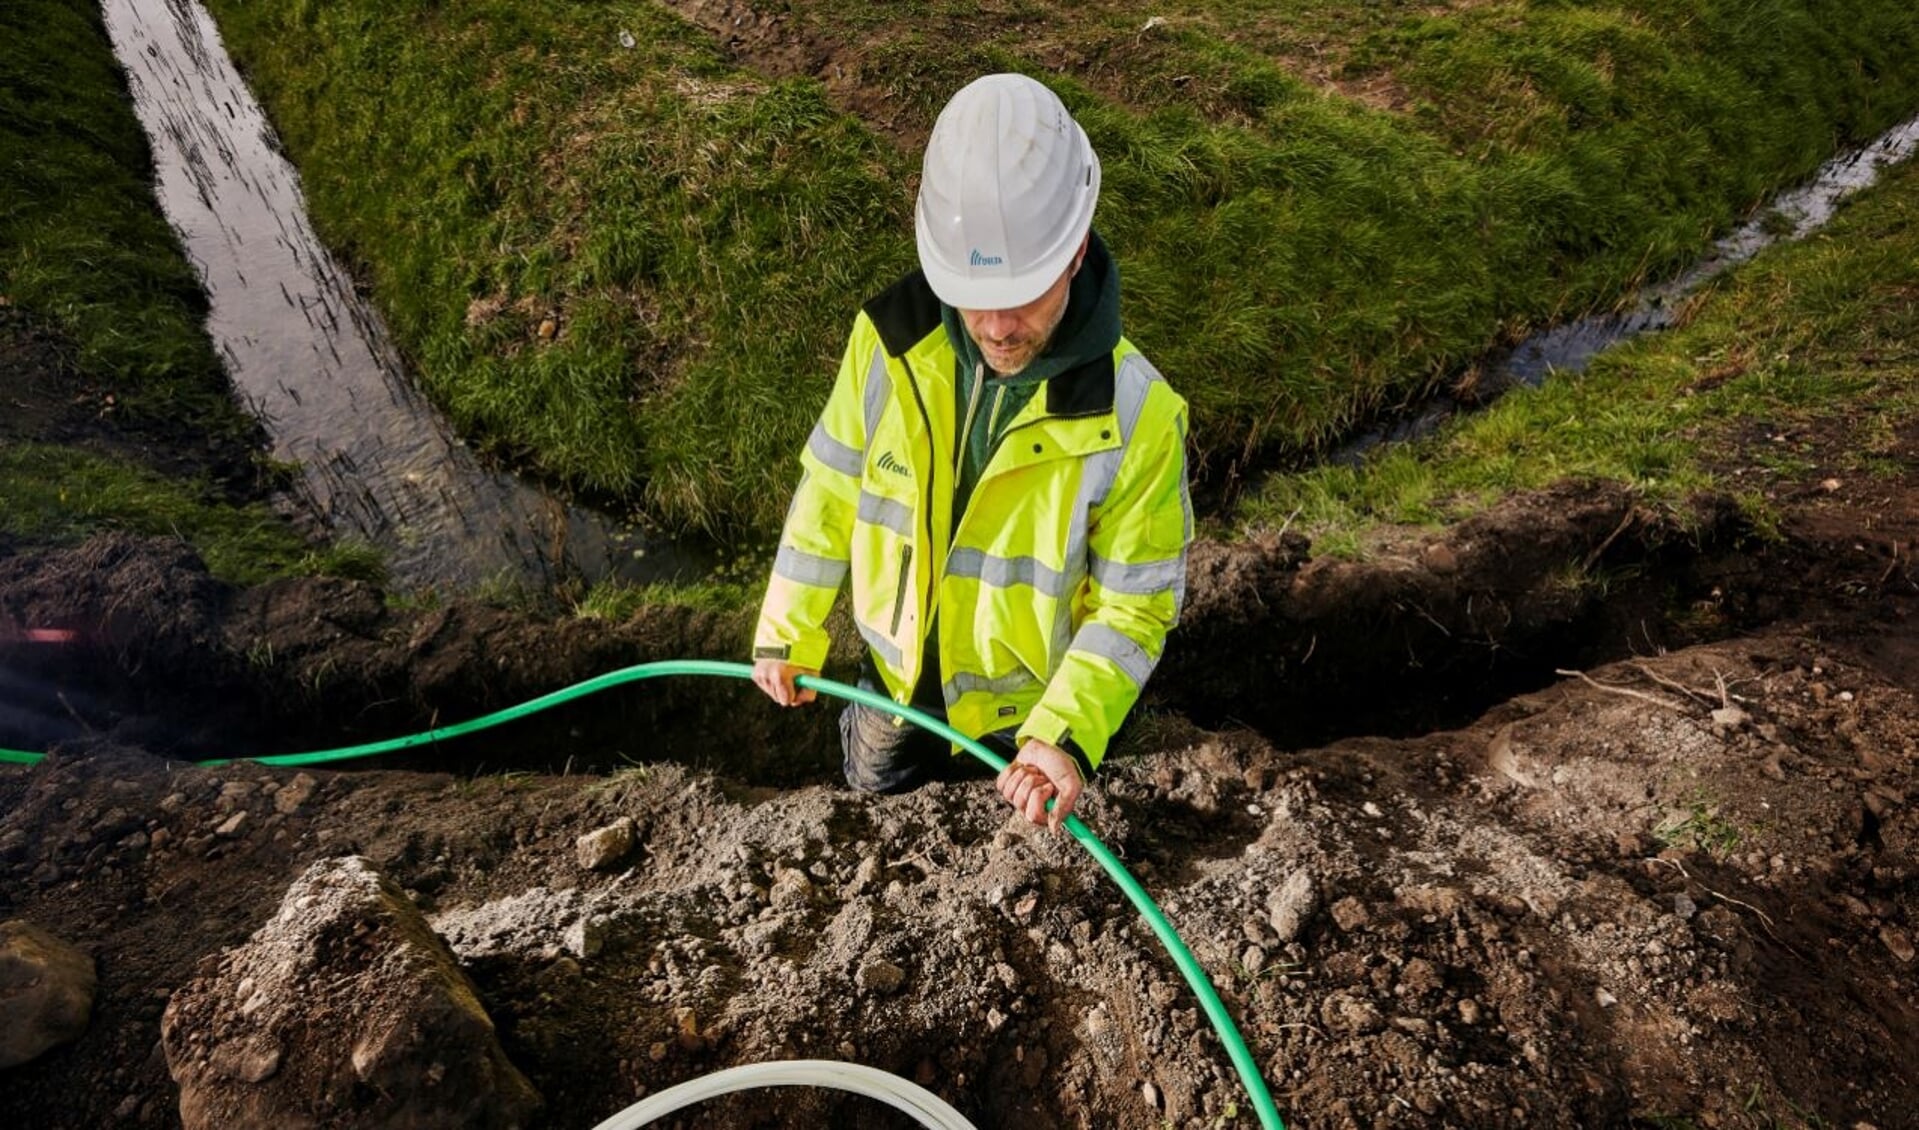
{"x": 999, "y": 324}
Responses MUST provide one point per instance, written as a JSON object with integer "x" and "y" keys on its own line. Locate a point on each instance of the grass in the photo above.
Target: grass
{"x": 617, "y": 601}
{"x": 1700, "y": 828}
{"x": 1809, "y": 338}
{"x": 700, "y": 232}
{"x": 59, "y": 495}
{"x": 84, "y": 249}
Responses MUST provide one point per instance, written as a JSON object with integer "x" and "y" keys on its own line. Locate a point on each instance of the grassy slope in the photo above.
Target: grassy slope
{"x": 700, "y": 234}
{"x": 1819, "y": 331}
{"x": 85, "y": 250}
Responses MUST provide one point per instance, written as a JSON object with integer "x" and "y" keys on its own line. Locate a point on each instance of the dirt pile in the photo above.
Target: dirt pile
{"x": 343, "y": 1010}
{"x": 1626, "y": 899}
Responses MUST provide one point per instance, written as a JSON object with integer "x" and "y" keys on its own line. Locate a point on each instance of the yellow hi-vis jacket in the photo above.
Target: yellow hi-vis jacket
{"x": 1053, "y": 592}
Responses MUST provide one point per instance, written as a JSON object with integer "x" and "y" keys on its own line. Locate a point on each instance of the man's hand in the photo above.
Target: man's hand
{"x": 1040, "y": 773}
{"x": 775, "y": 677}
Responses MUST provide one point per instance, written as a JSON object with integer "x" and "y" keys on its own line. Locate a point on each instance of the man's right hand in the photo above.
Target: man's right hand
{"x": 775, "y": 677}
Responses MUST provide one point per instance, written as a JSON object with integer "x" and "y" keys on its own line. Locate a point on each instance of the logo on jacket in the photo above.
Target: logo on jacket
{"x": 979, "y": 260}
{"x": 888, "y": 463}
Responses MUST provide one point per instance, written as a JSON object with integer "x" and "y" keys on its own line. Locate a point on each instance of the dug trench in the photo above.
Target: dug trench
{"x": 1437, "y": 882}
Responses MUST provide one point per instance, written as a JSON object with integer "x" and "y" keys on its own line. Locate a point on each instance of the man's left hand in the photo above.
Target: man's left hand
{"x": 1040, "y": 773}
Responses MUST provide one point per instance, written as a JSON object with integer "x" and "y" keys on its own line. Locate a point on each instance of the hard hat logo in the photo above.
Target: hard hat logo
{"x": 1006, "y": 165}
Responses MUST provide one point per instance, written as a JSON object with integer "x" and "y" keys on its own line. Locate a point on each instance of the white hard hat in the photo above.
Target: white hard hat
{"x": 1006, "y": 194}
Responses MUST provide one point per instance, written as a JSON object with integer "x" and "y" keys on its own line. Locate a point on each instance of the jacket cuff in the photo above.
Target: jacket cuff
{"x": 1054, "y": 730}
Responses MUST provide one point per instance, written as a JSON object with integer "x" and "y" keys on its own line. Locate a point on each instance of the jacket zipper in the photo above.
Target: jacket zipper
{"x": 972, "y": 410}
{"x": 926, "y": 506}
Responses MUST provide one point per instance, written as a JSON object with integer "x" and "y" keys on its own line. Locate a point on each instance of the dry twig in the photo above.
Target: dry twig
{"x": 1764, "y": 918}
{"x": 1627, "y": 691}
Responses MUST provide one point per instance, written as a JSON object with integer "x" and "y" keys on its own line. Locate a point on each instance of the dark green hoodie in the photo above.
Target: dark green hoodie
{"x": 1089, "y": 330}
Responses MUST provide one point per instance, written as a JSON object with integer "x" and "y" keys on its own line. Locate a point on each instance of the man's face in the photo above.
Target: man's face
{"x": 1011, "y": 339}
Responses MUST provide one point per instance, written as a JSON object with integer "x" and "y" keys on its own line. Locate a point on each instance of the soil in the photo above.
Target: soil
{"x": 1579, "y": 813}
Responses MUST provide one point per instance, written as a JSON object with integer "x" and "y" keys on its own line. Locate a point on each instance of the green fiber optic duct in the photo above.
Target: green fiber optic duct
{"x": 1189, "y": 966}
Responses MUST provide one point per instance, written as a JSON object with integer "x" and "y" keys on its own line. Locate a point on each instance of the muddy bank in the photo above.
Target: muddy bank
{"x": 166, "y": 657}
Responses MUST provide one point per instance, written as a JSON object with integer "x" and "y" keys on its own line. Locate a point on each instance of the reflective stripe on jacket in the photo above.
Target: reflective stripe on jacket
{"x": 1055, "y": 591}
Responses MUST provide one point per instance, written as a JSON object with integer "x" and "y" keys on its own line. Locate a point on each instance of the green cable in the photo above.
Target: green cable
{"x": 1189, "y": 967}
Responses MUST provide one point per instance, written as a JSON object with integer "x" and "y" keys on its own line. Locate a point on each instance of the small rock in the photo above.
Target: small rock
{"x": 1439, "y": 559}
{"x": 1350, "y": 1015}
{"x": 232, "y": 825}
{"x": 689, "y": 1036}
{"x": 1899, "y": 942}
{"x": 1729, "y": 717}
{"x": 1254, "y": 959}
{"x": 288, "y": 799}
{"x": 1468, "y": 1011}
{"x": 1150, "y": 1093}
{"x": 46, "y": 992}
{"x": 1684, "y": 907}
{"x": 251, "y": 1060}
{"x": 548, "y": 327}
{"x": 1829, "y": 486}
{"x": 881, "y": 977}
{"x": 1350, "y": 914}
{"x": 603, "y": 848}
{"x": 585, "y": 937}
{"x": 791, "y": 888}
{"x": 1605, "y": 999}
{"x": 1292, "y": 906}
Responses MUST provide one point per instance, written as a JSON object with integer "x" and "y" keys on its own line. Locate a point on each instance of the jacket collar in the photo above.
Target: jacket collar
{"x": 907, "y": 312}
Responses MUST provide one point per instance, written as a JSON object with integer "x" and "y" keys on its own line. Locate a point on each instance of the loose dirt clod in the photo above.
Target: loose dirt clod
{"x": 343, "y": 1011}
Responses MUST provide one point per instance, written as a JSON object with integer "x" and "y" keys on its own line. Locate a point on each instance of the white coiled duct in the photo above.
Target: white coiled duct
{"x": 930, "y": 1109}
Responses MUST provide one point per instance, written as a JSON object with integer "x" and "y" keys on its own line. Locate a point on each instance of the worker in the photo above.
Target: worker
{"x": 1000, "y": 473}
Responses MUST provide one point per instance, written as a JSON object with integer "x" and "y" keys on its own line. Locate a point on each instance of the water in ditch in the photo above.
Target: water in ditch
{"x": 1569, "y": 347}
{"x": 311, "y": 357}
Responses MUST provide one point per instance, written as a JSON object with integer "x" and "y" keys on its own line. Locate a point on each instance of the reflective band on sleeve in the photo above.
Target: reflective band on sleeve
{"x": 878, "y": 387}
{"x": 1095, "y": 638}
{"x": 846, "y": 460}
{"x": 966, "y": 682}
{"x": 1143, "y": 579}
{"x": 1003, "y": 572}
{"x": 891, "y": 513}
{"x": 887, "y": 651}
{"x": 808, "y": 569}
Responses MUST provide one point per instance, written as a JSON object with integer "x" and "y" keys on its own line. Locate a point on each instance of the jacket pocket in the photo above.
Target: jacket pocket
{"x": 899, "y": 588}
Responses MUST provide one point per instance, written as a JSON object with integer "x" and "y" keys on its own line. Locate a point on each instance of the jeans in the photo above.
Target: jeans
{"x": 888, "y": 754}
